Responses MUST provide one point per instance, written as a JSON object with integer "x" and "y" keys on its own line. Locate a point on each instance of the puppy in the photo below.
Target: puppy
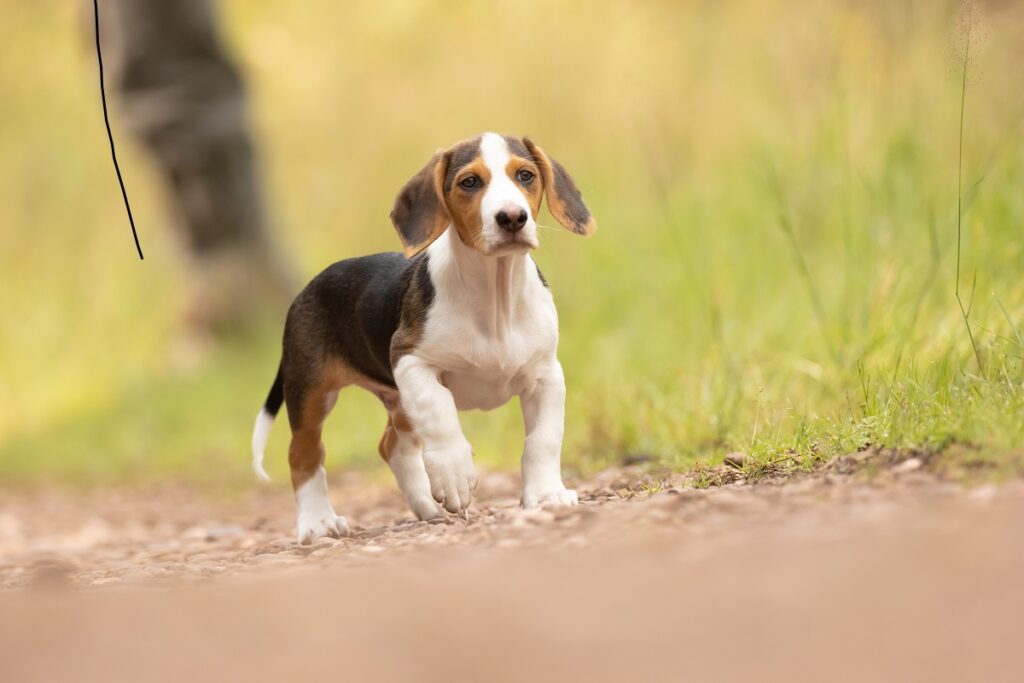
{"x": 463, "y": 320}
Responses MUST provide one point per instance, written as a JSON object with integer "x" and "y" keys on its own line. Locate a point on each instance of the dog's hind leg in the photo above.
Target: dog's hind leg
{"x": 403, "y": 453}
{"x": 308, "y": 406}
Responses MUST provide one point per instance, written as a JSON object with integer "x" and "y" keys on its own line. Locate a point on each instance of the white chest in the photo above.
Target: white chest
{"x": 490, "y": 347}
{"x": 484, "y": 368}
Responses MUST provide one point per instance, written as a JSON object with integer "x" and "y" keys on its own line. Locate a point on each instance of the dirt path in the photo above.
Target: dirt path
{"x": 169, "y": 535}
{"x": 823, "y": 576}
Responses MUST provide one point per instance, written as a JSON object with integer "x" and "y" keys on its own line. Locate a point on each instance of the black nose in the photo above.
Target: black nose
{"x": 512, "y": 220}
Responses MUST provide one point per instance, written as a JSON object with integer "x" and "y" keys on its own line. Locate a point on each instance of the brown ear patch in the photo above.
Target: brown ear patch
{"x": 419, "y": 214}
{"x": 565, "y": 202}
{"x": 464, "y": 207}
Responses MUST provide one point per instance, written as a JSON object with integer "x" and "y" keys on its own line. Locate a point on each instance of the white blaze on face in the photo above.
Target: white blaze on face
{"x": 502, "y": 193}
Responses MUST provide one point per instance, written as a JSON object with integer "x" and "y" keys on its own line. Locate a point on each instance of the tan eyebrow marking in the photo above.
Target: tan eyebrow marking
{"x": 533, "y": 191}
{"x": 464, "y": 207}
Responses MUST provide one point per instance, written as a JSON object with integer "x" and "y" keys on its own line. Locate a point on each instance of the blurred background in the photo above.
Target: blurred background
{"x": 775, "y": 185}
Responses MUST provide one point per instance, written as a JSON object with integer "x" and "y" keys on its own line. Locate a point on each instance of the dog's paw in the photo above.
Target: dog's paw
{"x": 313, "y": 527}
{"x": 554, "y": 495}
{"x": 425, "y": 507}
{"x": 452, "y": 477}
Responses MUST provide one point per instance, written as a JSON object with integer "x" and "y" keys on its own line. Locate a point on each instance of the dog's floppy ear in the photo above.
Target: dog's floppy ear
{"x": 420, "y": 214}
{"x": 564, "y": 199}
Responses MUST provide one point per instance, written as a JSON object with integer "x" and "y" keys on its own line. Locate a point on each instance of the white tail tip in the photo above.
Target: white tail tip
{"x": 261, "y": 473}
{"x": 260, "y": 434}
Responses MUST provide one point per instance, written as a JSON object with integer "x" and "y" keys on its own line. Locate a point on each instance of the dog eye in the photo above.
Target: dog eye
{"x": 469, "y": 182}
{"x": 524, "y": 175}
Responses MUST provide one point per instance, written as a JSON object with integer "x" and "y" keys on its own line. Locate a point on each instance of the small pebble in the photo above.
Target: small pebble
{"x": 908, "y": 465}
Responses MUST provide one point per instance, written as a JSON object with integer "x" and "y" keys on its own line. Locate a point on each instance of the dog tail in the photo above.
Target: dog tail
{"x": 264, "y": 421}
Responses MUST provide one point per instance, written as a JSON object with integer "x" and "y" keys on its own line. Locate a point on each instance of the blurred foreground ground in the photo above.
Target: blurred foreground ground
{"x": 831, "y": 575}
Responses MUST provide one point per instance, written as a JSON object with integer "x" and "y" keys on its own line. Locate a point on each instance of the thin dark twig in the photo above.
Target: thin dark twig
{"x": 110, "y": 135}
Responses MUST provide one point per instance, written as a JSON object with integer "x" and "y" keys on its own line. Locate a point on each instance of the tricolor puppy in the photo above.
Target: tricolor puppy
{"x": 464, "y": 320}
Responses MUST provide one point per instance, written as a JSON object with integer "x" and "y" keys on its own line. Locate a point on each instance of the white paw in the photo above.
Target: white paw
{"x": 554, "y": 495}
{"x": 425, "y": 508}
{"x": 315, "y": 517}
{"x": 313, "y": 527}
{"x": 452, "y": 476}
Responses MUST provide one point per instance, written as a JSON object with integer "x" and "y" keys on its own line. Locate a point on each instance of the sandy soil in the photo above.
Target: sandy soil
{"x": 814, "y": 577}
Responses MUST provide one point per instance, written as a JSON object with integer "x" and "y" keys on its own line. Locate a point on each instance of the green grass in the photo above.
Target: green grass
{"x": 774, "y": 269}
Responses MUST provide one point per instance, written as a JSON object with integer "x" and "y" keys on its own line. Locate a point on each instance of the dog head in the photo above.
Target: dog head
{"x": 489, "y": 189}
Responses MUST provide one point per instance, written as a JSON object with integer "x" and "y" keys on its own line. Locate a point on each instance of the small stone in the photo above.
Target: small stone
{"x": 213, "y": 533}
{"x": 863, "y": 456}
{"x": 278, "y": 545}
{"x": 105, "y": 581}
{"x": 908, "y": 465}
{"x": 631, "y": 459}
{"x": 535, "y": 516}
{"x": 274, "y": 558}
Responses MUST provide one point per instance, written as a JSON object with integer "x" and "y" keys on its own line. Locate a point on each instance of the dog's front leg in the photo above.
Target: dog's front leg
{"x": 544, "y": 415}
{"x": 447, "y": 455}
